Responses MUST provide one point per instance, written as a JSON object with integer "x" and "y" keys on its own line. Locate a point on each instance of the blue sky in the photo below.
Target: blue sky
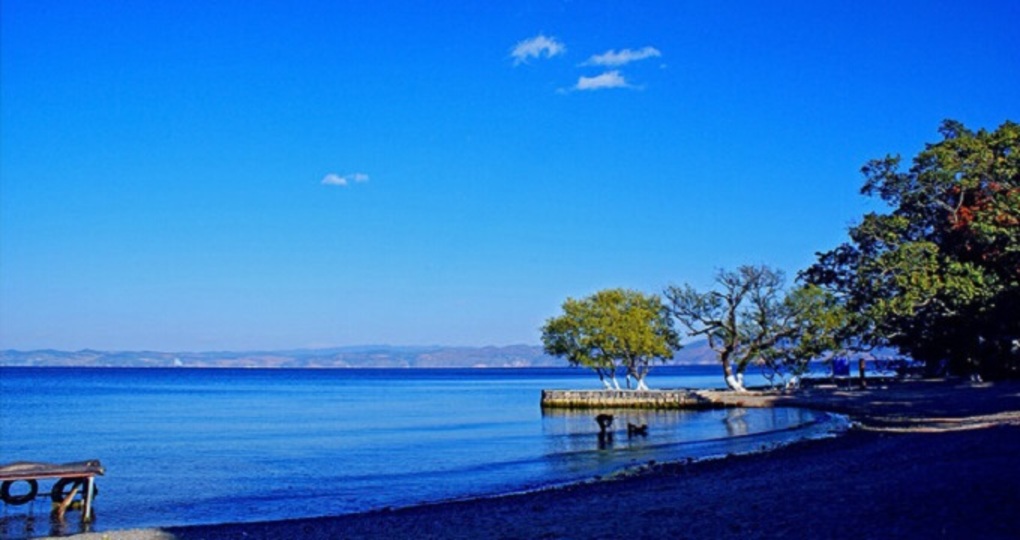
{"x": 261, "y": 175}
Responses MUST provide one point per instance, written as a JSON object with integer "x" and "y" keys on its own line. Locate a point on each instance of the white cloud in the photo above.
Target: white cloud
{"x": 333, "y": 179}
{"x": 613, "y": 58}
{"x": 609, "y": 79}
{"x": 536, "y": 47}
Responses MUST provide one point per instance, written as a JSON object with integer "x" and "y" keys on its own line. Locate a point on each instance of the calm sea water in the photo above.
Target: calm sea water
{"x": 195, "y": 446}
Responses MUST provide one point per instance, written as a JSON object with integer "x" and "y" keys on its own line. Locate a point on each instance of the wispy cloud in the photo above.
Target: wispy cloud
{"x": 609, "y": 79}
{"x": 536, "y": 47}
{"x": 333, "y": 179}
{"x": 612, "y": 58}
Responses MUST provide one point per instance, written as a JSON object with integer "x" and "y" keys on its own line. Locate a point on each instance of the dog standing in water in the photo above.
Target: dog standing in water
{"x": 636, "y": 429}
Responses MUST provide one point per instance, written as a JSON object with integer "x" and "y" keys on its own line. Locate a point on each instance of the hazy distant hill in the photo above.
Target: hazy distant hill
{"x": 381, "y": 356}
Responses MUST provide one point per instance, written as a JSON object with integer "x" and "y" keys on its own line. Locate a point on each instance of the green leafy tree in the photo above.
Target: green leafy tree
{"x": 614, "y": 330}
{"x": 938, "y": 276}
{"x": 816, "y": 327}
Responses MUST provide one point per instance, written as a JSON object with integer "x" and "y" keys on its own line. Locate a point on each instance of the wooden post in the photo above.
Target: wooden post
{"x": 62, "y": 508}
{"x": 86, "y": 516}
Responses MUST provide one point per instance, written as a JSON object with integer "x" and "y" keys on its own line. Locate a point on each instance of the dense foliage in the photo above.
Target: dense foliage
{"x": 611, "y": 331}
{"x": 939, "y": 275}
{"x": 814, "y": 327}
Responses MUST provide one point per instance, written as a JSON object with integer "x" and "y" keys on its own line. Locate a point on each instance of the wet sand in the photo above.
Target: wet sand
{"x": 926, "y": 460}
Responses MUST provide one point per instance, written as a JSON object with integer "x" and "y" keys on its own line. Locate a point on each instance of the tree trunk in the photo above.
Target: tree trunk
{"x": 641, "y": 384}
{"x": 733, "y": 380}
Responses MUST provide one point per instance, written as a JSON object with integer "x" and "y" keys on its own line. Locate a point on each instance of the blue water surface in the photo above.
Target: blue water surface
{"x": 199, "y": 446}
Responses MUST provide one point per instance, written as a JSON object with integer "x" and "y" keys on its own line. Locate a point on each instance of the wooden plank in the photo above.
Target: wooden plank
{"x": 29, "y": 470}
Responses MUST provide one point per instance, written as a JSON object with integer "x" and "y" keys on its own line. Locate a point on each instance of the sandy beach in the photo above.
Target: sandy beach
{"x": 925, "y": 460}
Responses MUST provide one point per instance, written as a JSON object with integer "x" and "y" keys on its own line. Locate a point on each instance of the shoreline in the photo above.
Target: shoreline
{"x": 929, "y": 458}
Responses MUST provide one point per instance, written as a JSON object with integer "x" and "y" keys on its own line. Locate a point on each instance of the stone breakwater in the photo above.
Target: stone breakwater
{"x": 630, "y": 399}
{"x": 663, "y": 399}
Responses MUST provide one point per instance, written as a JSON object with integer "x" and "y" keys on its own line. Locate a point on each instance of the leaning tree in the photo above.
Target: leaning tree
{"x": 749, "y": 319}
{"x": 611, "y": 331}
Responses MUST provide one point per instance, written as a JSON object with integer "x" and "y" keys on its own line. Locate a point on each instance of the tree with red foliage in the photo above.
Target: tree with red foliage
{"x": 939, "y": 275}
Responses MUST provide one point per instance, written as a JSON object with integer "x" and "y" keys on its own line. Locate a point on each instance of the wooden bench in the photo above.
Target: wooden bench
{"x": 77, "y": 475}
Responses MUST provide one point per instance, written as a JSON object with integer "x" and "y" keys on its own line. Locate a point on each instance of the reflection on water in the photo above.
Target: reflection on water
{"x": 33, "y": 520}
{"x": 212, "y": 446}
{"x": 736, "y": 422}
{"x": 574, "y": 443}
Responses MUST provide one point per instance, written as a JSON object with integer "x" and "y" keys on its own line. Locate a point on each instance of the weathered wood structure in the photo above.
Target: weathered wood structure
{"x": 72, "y": 480}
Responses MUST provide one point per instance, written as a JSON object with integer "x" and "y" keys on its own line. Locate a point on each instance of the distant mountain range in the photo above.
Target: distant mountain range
{"x": 381, "y": 356}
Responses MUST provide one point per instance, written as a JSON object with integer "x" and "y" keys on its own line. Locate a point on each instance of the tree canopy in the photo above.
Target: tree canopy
{"x": 938, "y": 276}
{"x": 610, "y": 331}
{"x": 748, "y": 319}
